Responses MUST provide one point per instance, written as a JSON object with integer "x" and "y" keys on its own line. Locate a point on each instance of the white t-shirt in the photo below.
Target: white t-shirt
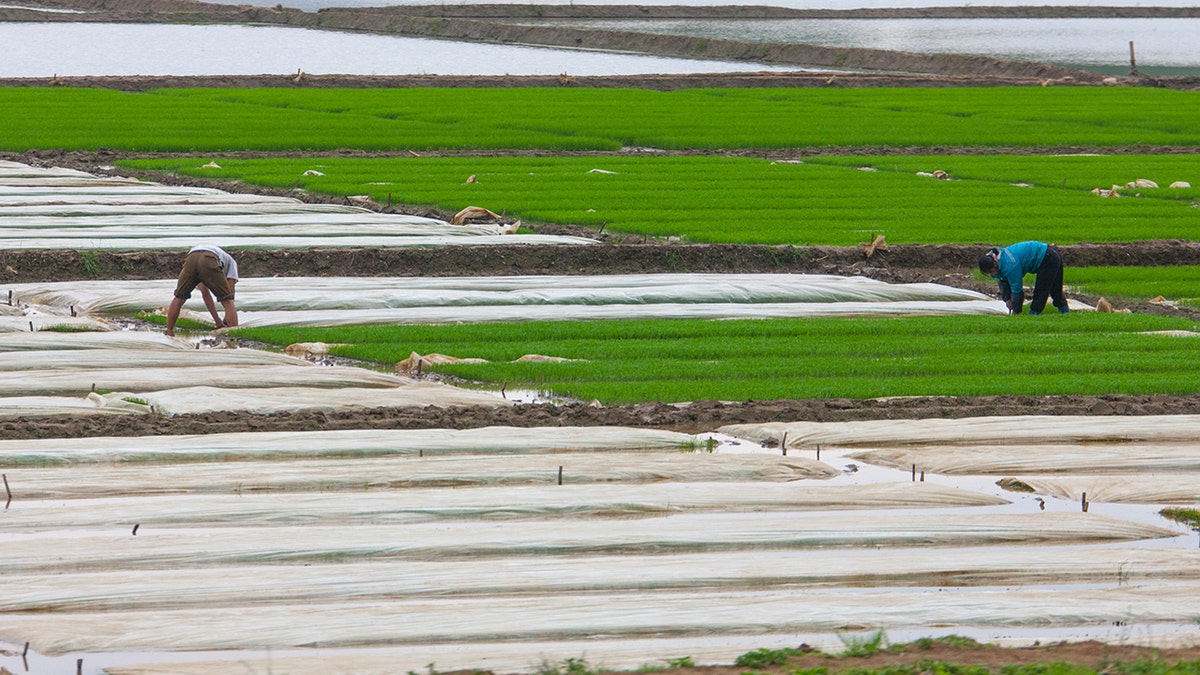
{"x": 228, "y": 264}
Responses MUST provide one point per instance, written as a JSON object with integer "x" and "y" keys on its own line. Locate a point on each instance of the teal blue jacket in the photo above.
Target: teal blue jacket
{"x": 1014, "y": 262}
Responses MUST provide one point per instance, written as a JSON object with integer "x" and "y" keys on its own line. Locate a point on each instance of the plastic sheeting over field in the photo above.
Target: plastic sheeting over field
{"x": 411, "y": 541}
{"x": 349, "y": 443}
{"x": 418, "y": 505}
{"x": 976, "y": 430}
{"x": 340, "y": 301}
{"x": 111, "y": 479}
{"x": 1179, "y": 489}
{"x": 52, "y": 373}
{"x": 59, "y": 209}
{"x": 579, "y": 616}
{"x": 1111, "y": 458}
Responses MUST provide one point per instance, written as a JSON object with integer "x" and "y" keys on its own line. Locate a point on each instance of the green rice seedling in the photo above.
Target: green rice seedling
{"x": 1056, "y": 668}
{"x": 568, "y": 666}
{"x": 726, "y": 199}
{"x": 958, "y": 641}
{"x": 855, "y": 645}
{"x": 712, "y": 118}
{"x": 1136, "y": 284}
{"x": 1078, "y": 173}
{"x": 66, "y": 328}
{"x": 923, "y": 667}
{"x": 1189, "y": 517}
{"x": 679, "y": 360}
{"x": 208, "y": 120}
{"x": 765, "y": 657}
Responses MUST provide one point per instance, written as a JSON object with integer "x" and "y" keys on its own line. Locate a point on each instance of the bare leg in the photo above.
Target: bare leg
{"x": 173, "y": 314}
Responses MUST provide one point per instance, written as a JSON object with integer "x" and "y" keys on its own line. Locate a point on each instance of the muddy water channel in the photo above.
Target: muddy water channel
{"x": 370, "y": 550}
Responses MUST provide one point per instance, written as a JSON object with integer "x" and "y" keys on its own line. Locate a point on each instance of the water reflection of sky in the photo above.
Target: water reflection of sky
{"x": 78, "y": 49}
{"x": 1078, "y": 42}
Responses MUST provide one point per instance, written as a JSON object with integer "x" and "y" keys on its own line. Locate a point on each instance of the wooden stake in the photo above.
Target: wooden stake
{"x": 6, "y": 487}
{"x": 1083, "y": 502}
{"x": 818, "y": 452}
{"x": 135, "y": 527}
{"x": 1132, "y": 61}
{"x": 914, "y": 474}
{"x": 560, "y": 474}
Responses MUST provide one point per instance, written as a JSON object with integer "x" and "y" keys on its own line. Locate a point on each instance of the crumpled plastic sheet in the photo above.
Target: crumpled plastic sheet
{"x": 123, "y": 357}
{"x": 30, "y": 323}
{"x": 346, "y": 301}
{"x": 1181, "y": 489}
{"x": 133, "y": 379}
{"x": 992, "y": 458}
{"x": 52, "y": 209}
{"x": 46, "y": 406}
{"x": 340, "y": 443}
{"x": 96, "y": 479}
{"x": 467, "y": 620}
{"x": 122, "y": 589}
{"x": 998, "y": 430}
{"x": 418, "y": 505}
{"x": 630, "y": 654}
{"x": 52, "y": 340}
{"x": 183, "y": 546}
{"x": 183, "y": 243}
{"x": 272, "y": 400}
{"x": 359, "y": 293}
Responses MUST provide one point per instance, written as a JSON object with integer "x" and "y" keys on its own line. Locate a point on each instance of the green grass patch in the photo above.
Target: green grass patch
{"x": 1189, "y": 517}
{"x": 682, "y": 360}
{"x": 739, "y": 199}
{"x": 206, "y": 120}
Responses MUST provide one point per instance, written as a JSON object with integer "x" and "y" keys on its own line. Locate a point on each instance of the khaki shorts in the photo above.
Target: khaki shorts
{"x": 203, "y": 267}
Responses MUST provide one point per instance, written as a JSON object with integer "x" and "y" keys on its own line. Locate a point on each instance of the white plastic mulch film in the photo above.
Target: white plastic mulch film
{"x": 122, "y": 372}
{"x": 63, "y": 209}
{"x": 471, "y": 548}
{"x": 392, "y": 300}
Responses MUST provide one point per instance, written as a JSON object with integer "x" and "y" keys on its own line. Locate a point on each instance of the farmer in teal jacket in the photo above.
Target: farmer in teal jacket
{"x": 1010, "y": 265}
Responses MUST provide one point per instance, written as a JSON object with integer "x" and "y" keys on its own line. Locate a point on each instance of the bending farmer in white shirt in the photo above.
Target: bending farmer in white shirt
{"x": 212, "y": 269}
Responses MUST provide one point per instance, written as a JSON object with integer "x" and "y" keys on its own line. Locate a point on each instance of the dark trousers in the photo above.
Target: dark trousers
{"x": 1049, "y": 282}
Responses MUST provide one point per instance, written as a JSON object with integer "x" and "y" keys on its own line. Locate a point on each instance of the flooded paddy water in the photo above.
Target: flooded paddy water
{"x": 94, "y": 49}
{"x": 503, "y": 548}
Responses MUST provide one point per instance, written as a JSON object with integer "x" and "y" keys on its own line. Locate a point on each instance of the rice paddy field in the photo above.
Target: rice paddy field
{"x": 251, "y": 500}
